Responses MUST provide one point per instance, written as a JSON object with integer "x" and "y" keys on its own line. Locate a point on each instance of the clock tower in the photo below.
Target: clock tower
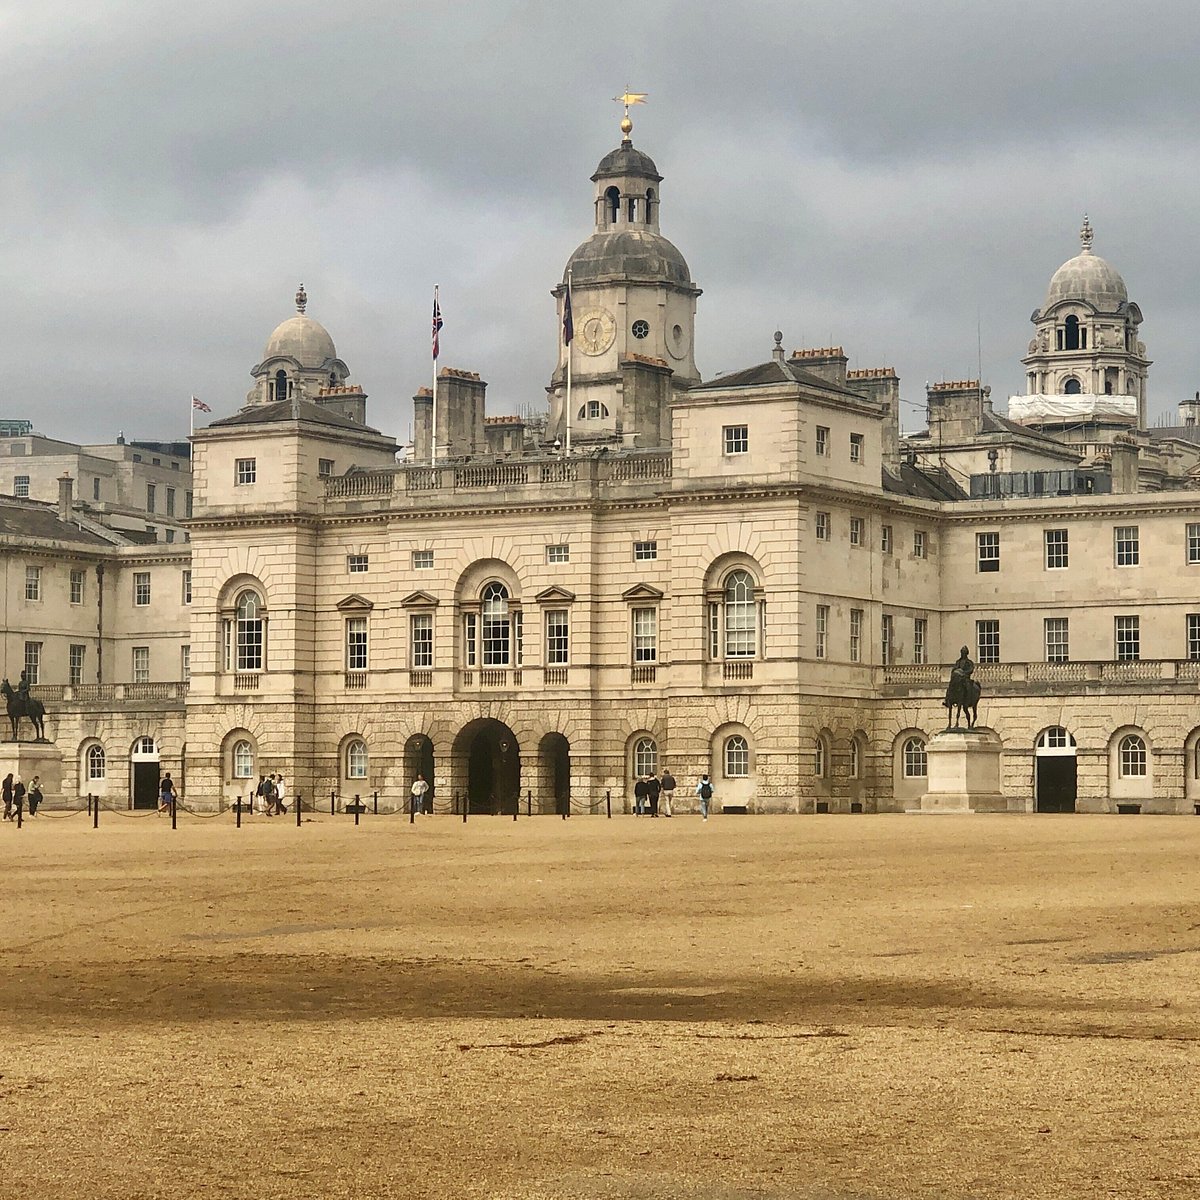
{"x": 633, "y": 307}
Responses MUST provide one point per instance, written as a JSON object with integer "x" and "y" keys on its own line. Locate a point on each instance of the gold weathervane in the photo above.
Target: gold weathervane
{"x": 627, "y": 99}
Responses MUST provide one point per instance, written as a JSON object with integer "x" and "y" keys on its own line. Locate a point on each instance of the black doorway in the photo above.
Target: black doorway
{"x": 1057, "y": 782}
{"x": 493, "y": 766}
{"x": 145, "y": 784}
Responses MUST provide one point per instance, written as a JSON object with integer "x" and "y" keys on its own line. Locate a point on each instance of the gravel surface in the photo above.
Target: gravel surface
{"x": 832, "y": 1008}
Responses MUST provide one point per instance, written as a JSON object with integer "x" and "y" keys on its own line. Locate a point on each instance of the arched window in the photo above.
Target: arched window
{"x": 249, "y": 632}
{"x": 645, "y": 757}
{"x": 855, "y": 759}
{"x": 740, "y": 624}
{"x": 281, "y": 385}
{"x": 1131, "y": 756}
{"x": 356, "y": 759}
{"x": 1071, "y": 333}
{"x": 1055, "y": 738}
{"x": 612, "y": 202}
{"x": 820, "y": 759}
{"x": 915, "y": 762}
{"x": 737, "y": 757}
{"x": 243, "y": 760}
{"x": 592, "y": 410}
{"x": 144, "y": 745}
{"x": 1195, "y": 759}
{"x": 497, "y": 626}
{"x": 1072, "y": 387}
{"x": 96, "y": 766}
{"x": 651, "y": 205}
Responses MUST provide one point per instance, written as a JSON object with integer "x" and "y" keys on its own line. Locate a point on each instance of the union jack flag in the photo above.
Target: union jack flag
{"x": 199, "y": 404}
{"x": 568, "y": 319}
{"x": 437, "y": 324}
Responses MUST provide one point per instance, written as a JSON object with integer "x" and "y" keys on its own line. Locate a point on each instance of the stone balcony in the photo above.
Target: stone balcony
{"x": 1041, "y": 678}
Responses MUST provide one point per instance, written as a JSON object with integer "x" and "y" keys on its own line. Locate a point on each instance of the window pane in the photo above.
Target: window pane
{"x": 739, "y": 615}
{"x": 645, "y": 635}
{"x": 737, "y": 757}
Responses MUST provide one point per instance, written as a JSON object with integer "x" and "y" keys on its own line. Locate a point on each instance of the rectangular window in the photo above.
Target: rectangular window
{"x": 737, "y": 439}
{"x": 33, "y": 583}
{"x": 245, "y": 470}
{"x": 987, "y": 551}
{"x": 96, "y": 488}
{"x": 856, "y": 627}
{"x": 856, "y": 447}
{"x": 987, "y": 641}
{"x": 324, "y": 467}
{"x": 422, "y": 560}
{"x": 645, "y": 635}
{"x": 557, "y": 638}
{"x": 645, "y": 551}
{"x": 821, "y": 648}
{"x": 822, "y": 443}
{"x": 187, "y": 587}
{"x": 470, "y": 633}
{"x": 151, "y": 496}
{"x": 560, "y": 553}
{"x": 1193, "y": 543}
{"x": 920, "y": 640}
{"x": 887, "y": 634}
{"x": 75, "y": 665}
{"x": 170, "y": 502}
{"x": 823, "y": 527}
{"x": 1193, "y": 636}
{"x": 858, "y": 528}
{"x": 170, "y": 535}
{"x": 33, "y": 661}
{"x": 152, "y": 530}
{"x": 188, "y": 504}
{"x": 1129, "y": 639}
{"x": 141, "y": 588}
{"x": 1056, "y": 549}
{"x": 356, "y": 643}
{"x": 141, "y": 664}
{"x": 1058, "y": 645}
{"x": 918, "y": 543}
{"x": 714, "y": 630}
{"x": 357, "y": 564}
{"x": 21, "y": 486}
{"x": 420, "y": 636}
{"x": 885, "y": 539}
{"x": 185, "y": 663}
{"x": 1126, "y": 543}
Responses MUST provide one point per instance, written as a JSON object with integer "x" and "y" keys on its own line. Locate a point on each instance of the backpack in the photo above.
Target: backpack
{"x": 706, "y": 791}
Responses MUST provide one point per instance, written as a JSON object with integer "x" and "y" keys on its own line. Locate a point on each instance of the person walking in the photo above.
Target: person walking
{"x": 668, "y": 790}
{"x": 166, "y": 794}
{"x": 270, "y": 795}
{"x": 280, "y": 796}
{"x": 35, "y": 795}
{"x": 653, "y": 791}
{"x": 419, "y": 788}
{"x": 18, "y": 798}
{"x": 260, "y": 795}
{"x": 8, "y": 794}
{"x": 704, "y": 789}
{"x": 639, "y": 796}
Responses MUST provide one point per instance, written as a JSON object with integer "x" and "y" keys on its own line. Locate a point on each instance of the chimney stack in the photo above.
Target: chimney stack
{"x": 66, "y": 497}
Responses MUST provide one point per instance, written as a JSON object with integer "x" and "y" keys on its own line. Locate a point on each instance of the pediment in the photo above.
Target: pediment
{"x": 419, "y": 600}
{"x": 554, "y": 595}
{"x": 355, "y": 603}
{"x": 642, "y": 591}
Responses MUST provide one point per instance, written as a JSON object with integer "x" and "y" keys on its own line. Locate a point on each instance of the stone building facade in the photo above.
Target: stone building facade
{"x": 754, "y": 576}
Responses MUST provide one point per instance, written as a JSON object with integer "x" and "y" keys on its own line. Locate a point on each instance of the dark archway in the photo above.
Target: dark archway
{"x": 488, "y": 757}
{"x": 554, "y": 774}
{"x": 1056, "y": 772}
{"x": 418, "y": 760}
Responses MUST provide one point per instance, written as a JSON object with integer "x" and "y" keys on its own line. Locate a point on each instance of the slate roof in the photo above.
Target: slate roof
{"x": 290, "y": 410}
{"x": 773, "y": 373}
{"x": 924, "y": 483}
{"x": 40, "y": 521}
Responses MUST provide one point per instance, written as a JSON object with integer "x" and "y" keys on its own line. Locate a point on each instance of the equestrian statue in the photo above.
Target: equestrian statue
{"x": 962, "y": 694}
{"x": 22, "y": 704}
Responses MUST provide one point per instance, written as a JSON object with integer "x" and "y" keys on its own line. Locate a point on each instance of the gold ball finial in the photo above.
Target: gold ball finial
{"x": 626, "y": 126}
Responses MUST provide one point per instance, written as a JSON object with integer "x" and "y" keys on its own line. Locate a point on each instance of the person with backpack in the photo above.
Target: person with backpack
{"x": 704, "y": 790}
{"x": 270, "y": 796}
{"x": 668, "y": 790}
{"x": 653, "y": 791}
{"x": 35, "y": 795}
{"x": 640, "y": 792}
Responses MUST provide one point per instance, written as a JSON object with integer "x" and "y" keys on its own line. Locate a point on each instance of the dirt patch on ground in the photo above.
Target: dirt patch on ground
{"x": 832, "y": 1008}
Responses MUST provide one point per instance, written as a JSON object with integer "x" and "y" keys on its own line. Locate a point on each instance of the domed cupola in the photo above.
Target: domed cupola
{"x": 632, "y": 300}
{"x": 1085, "y": 361}
{"x": 299, "y": 359}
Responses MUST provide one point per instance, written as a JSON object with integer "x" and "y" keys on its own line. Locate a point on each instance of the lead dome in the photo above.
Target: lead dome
{"x": 1088, "y": 278}
{"x": 301, "y": 338}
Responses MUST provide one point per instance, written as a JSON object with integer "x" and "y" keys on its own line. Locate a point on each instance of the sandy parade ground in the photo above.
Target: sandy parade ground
{"x": 825, "y": 1007}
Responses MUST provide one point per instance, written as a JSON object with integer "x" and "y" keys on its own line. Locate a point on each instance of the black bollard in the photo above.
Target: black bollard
{"x": 608, "y": 802}
{"x": 375, "y": 803}
{"x": 357, "y": 808}
{"x": 237, "y": 810}
{"x": 20, "y": 811}
{"x": 89, "y": 798}
{"x": 516, "y": 806}
{"x": 96, "y": 813}
{"x": 298, "y": 807}
{"x": 528, "y": 803}
{"x": 466, "y": 803}
{"x": 174, "y": 812}
{"x": 412, "y": 810}
{"x": 332, "y": 802}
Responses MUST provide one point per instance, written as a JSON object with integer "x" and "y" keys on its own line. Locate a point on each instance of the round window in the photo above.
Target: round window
{"x": 641, "y": 329}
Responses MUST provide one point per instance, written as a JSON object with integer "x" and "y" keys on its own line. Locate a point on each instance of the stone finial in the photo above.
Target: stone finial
{"x": 777, "y": 353}
{"x": 301, "y": 299}
{"x": 1085, "y": 235}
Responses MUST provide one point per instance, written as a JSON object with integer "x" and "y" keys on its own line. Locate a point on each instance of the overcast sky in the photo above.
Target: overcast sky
{"x": 899, "y": 178}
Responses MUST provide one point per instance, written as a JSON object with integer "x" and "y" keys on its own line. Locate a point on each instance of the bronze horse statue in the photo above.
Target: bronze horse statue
{"x": 23, "y": 705}
{"x": 962, "y": 694}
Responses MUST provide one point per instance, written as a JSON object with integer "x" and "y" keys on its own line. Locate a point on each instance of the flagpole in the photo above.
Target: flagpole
{"x": 570, "y": 343}
{"x": 436, "y": 337}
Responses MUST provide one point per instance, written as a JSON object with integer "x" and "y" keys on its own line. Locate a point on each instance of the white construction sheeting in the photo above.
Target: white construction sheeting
{"x": 1083, "y": 406}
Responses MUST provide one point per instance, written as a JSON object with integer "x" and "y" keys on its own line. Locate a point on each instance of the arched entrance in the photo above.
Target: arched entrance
{"x": 1056, "y": 771}
{"x": 554, "y": 774}
{"x": 418, "y": 760}
{"x": 143, "y": 774}
{"x": 488, "y": 757}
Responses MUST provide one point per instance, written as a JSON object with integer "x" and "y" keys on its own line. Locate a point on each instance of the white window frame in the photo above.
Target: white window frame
{"x": 21, "y": 487}
{"x": 1057, "y": 543}
{"x": 245, "y": 471}
{"x": 186, "y": 585}
{"x": 1193, "y": 544}
{"x": 141, "y": 589}
{"x": 76, "y": 656}
{"x": 1056, "y": 639}
{"x": 357, "y": 646}
{"x": 645, "y": 757}
{"x": 920, "y": 640}
{"x": 1127, "y": 546}
{"x": 558, "y": 552}
{"x": 821, "y": 442}
{"x": 644, "y": 635}
{"x": 358, "y": 564}
{"x": 95, "y": 763}
{"x": 987, "y": 551}
{"x": 357, "y": 759}
{"x": 735, "y": 757}
{"x": 920, "y": 544}
{"x": 916, "y": 758}
{"x": 141, "y": 664}
{"x": 645, "y": 551}
{"x": 33, "y": 661}
{"x": 33, "y": 583}
{"x": 858, "y": 531}
{"x": 821, "y": 628}
{"x": 856, "y": 635}
{"x": 1132, "y": 756}
{"x": 885, "y": 539}
{"x": 557, "y": 626}
{"x": 242, "y": 759}
{"x": 736, "y": 439}
{"x": 857, "y": 447}
{"x": 1127, "y": 642}
{"x": 78, "y": 585}
{"x": 824, "y": 527}
{"x": 987, "y": 640}
{"x": 420, "y": 641}
{"x": 422, "y": 560}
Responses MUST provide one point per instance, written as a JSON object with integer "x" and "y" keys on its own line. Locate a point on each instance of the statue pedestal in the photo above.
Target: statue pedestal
{"x": 964, "y": 772}
{"x": 27, "y": 759}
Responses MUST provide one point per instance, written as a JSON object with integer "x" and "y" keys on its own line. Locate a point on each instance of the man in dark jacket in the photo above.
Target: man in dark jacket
{"x": 639, "y": 796}
{"x": 653, "y": 788}
{"x": 668, "y": 790}
{"x": 18, "y": 799}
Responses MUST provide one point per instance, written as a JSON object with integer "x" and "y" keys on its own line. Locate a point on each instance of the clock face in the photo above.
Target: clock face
{"x": 597, "y": 330}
